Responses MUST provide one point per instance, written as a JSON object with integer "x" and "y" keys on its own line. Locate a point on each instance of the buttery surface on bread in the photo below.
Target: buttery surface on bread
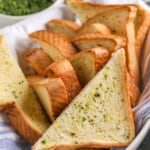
{"x": 14, "y": 87}
{"x": 89, "y": 121}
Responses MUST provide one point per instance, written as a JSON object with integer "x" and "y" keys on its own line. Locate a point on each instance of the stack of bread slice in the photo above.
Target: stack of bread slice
{"x": 134, "y": 28}
{"x": 56, "y": 82}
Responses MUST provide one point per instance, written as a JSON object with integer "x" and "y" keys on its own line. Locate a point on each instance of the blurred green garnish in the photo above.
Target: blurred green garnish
{"x": 23, "y": 7}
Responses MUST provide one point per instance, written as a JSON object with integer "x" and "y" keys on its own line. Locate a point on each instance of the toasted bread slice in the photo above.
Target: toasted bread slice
{"x": 95, "y": 28}
{"x": 86, "y": 10}
{"x": 38, "y": 60}
{"x": 55, "y": 45}
{"x": 64, "y": 70}
{"x": 64, "y": 27}
{"x": 25, "y": 113}
{"x": 52, "y": 94}
{"x": 91, "y": 122}
{"x": 88, "y": 62}
{"x": 88, "y": 41}
{"x": 133, "y": 89}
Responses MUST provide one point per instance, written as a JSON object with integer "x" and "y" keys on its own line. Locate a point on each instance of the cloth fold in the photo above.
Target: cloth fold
{"x": 17, "y": 38}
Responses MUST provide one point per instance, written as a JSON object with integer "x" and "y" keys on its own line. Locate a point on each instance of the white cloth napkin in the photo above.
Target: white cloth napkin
{"x": 17, "y": 38}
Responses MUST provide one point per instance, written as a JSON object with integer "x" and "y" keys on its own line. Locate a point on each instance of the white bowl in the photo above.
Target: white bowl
{"x": 9, "y": 20}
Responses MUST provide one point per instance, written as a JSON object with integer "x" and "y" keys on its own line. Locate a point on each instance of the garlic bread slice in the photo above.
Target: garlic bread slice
{"x": 18, "y": 99}
{"x": 89, "y": 121}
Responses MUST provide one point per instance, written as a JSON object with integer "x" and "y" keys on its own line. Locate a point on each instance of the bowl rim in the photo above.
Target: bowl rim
{"x": 55, "y": 3}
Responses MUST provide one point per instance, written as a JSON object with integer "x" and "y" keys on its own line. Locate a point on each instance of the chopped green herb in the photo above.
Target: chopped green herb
{"x": 72, "y": 134}
{"x": 43, "y": 142}
{"x": 97, "y": 95}
{"x": 75, "y": 142}
{"x": 22, "y": 7}
{"x": 100, "y": 85}
{"x": 105, "y": 76}
{"x": 83, "y": 119}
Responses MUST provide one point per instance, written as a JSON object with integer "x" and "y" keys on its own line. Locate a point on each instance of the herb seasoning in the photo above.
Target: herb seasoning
{"x": 23, "y": 7}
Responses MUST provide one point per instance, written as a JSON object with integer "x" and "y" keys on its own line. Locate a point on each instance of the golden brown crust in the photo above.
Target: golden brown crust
{"x": 4, "y": 104}
{"x": 69, "y": 24}
{"x": 102, "y": 56}
{"x": 34, "y": 78}
{"x": 132, "y": 62}
{"x": 141, "y": 30}
{"x": 134, "y": 91}
{"x": 58, "y": 94}
{"x": 21, "y": 123}
{"x": 87, "y": 145}
{"x": 61, "y": 43}
{"x": 64, "y": 70}
{"x": 38, "y": 59}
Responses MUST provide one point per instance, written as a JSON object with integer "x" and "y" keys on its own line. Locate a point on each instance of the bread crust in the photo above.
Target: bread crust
{"x": 133, "y": 89}
{"x": 4, "y": 104}
{"x": 21, "y": 123}
{"x": 61, "y": 43}
{"x": 64, "y": 70}
{"x": 38, "y": 59}
{"x": 87, "y": 145}
{"x": 132, "y": 62}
